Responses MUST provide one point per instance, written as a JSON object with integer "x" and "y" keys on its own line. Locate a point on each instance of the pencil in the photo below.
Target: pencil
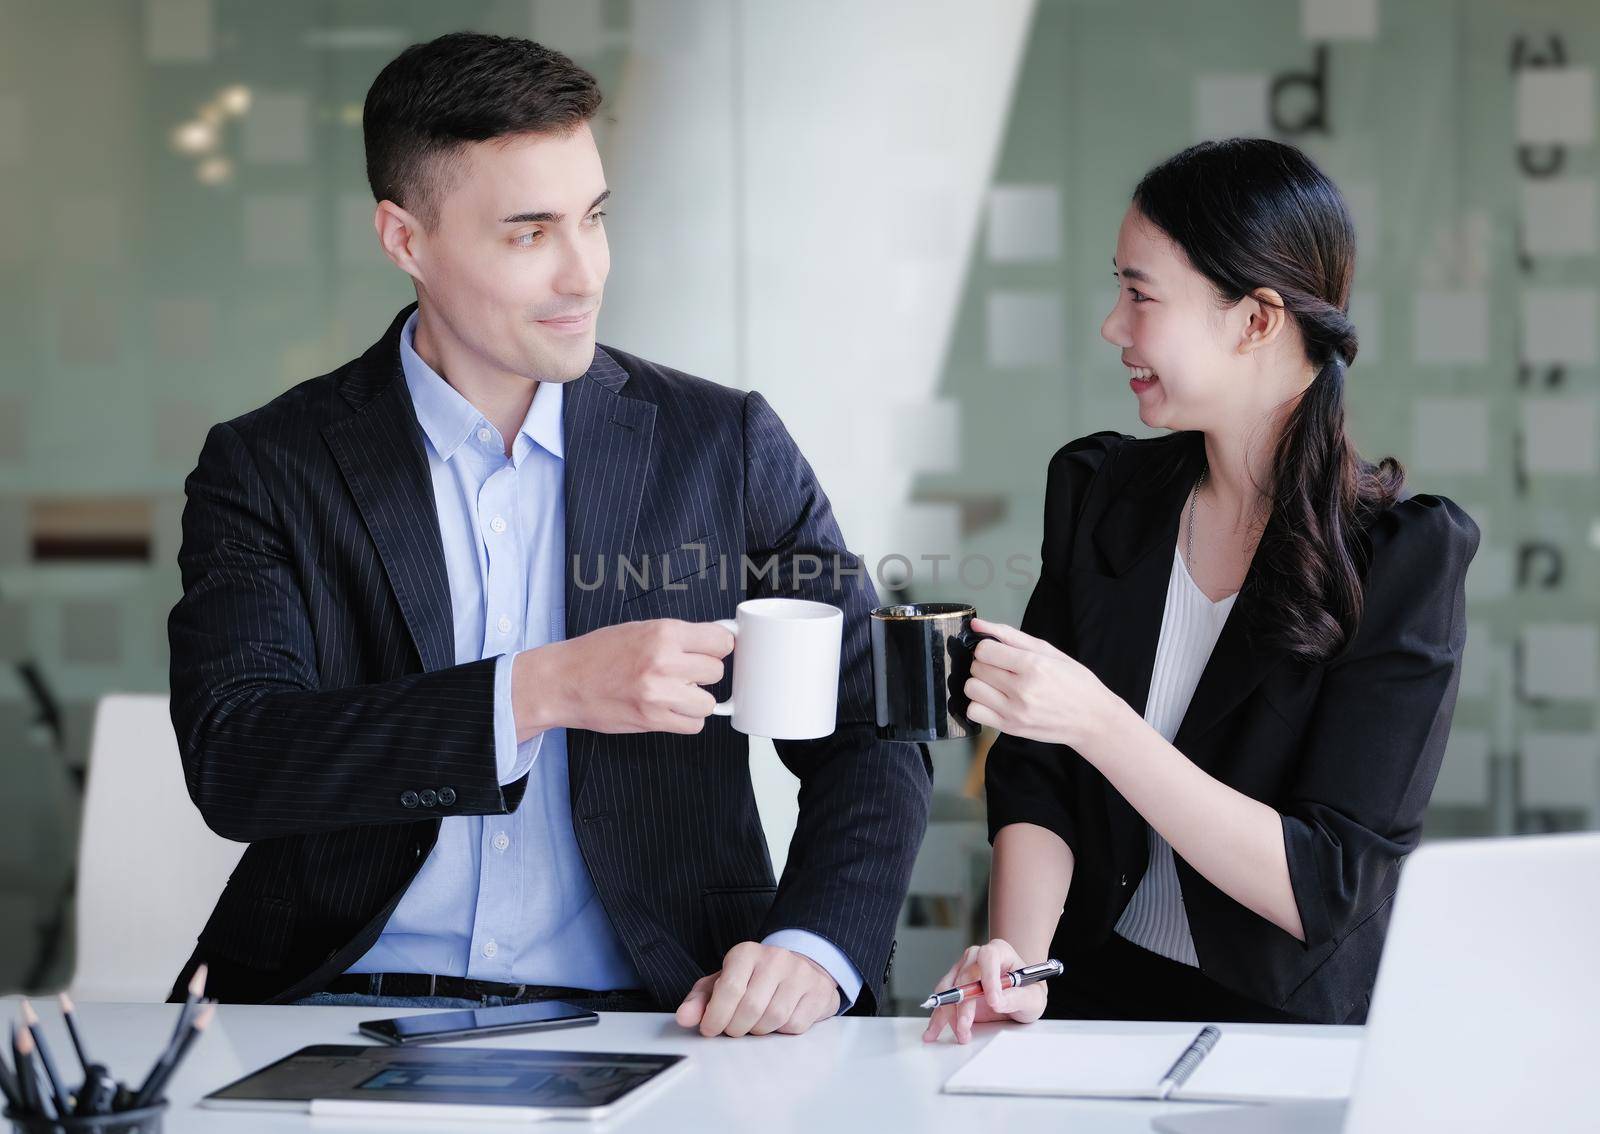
{"x": 197, "y": 988}
{"x": 10, "y": 1088}
{"x": 156, "y": 1081}
{"x": 68, "y": 1013}
{"x": 32, "y": 1019}
{"x": 24, "y": 1095}
{"x": 28, "y": 1077}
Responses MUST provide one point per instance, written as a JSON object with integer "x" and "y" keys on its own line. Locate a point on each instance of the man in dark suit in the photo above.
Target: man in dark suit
{"x": 469, "y": 773}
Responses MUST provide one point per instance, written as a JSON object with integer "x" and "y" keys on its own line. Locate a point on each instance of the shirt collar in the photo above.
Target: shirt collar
{"x": 449, "y": 419}
{"x": 543, "y": 423}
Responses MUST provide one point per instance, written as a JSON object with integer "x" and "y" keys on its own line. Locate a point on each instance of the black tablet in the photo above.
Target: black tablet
{"x": 436, "y": 1027}
{"x": 444, "y": 1082}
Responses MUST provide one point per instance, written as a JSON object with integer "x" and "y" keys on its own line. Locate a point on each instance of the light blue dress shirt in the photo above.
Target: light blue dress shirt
{"x": 508, "y": 897}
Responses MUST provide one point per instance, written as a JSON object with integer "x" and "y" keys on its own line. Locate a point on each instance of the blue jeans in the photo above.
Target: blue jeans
{"x": 357, "y": 1000}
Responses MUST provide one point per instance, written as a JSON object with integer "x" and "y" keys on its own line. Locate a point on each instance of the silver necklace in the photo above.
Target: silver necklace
{"x": 1194, "y": 495}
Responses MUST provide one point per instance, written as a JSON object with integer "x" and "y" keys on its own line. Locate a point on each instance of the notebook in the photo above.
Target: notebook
{"x": 1240, "y": 1067}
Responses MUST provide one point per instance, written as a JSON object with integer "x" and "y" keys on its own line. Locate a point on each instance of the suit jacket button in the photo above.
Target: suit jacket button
{"x": 447, "y": 796}
{"x": 408, "y": 799}
{"x": 429, "y": 797}
{"x": 1124, "y": 880}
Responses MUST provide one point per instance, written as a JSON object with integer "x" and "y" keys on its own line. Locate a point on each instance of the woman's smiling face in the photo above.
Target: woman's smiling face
{"x": 1181, "y": 347}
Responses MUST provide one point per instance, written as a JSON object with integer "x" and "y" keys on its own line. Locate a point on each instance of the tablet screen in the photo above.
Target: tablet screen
{"x": 453, "y": 1076}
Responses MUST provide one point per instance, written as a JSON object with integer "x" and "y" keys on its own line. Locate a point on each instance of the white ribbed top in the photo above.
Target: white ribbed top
{"x": 1190, "y": 626}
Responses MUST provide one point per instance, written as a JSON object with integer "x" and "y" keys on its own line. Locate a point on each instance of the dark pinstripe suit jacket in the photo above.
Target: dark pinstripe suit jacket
{"x": 314, "y": 684}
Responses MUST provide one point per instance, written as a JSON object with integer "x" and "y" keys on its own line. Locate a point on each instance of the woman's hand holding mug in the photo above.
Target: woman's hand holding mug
{"x": 1026, "y": 687}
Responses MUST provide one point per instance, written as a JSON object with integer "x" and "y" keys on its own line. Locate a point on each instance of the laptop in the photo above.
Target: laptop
{"x": 1486, "y": 1012}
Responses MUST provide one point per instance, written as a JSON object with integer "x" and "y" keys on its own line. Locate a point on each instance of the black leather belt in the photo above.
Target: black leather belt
{"x": 461, "y": 988}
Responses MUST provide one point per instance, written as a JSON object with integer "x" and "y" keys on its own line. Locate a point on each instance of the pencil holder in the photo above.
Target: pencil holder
{"x": 145, "y": 1120}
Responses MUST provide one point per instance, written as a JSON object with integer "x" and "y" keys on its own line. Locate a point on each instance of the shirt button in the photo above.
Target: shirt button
{"x": 484, "y": 434}
{"x": 497, "y": 525}
{"x": 504, "y": 625}
{"x": 490, "y": 948}
{"x": 502, "y": 841}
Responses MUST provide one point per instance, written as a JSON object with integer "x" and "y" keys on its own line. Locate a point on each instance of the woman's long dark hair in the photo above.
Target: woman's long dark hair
{"x": 1252, "y": 213}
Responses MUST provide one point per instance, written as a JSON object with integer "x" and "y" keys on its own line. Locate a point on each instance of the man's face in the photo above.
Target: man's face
{"x": 516, "y": 264}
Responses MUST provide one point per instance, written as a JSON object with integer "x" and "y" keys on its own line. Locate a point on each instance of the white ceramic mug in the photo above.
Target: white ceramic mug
{"x": 785, "y": 668}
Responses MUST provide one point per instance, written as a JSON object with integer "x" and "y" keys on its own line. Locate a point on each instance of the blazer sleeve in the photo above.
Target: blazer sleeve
{"x": 267, "y": 752}
{"x": 863, "y": 801}
{"x": 1026, "y": 781}
{"x": 1377, "y": 732}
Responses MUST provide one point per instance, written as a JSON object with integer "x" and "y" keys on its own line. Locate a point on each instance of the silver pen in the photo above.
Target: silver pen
{"x": 1016, "y": 978}
{"x": 1179, "y": 1072}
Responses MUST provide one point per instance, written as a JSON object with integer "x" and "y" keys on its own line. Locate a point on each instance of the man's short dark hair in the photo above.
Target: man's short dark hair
{"x": 434, "y": 98}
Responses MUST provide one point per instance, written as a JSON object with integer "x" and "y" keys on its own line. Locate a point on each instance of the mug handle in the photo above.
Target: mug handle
{"x": 725, "y": 708}
{"x": 968, "y": 640}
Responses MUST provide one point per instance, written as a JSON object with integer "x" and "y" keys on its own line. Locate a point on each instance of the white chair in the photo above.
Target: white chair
{"x": 149, "y": 869}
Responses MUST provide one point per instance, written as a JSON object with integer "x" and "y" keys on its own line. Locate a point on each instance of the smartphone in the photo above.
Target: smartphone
{"x": 436, "y": 1027}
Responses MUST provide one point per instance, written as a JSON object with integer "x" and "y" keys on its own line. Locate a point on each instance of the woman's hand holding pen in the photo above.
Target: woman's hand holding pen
{"x": 1025, "y": 687}
{"x": 989, "y": 964}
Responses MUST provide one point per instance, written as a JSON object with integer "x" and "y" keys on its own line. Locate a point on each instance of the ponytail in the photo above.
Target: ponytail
{"x": 1323, "y": 494}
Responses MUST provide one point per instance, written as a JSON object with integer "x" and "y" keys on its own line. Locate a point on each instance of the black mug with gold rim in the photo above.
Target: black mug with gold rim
{"x": 921, "y": 660}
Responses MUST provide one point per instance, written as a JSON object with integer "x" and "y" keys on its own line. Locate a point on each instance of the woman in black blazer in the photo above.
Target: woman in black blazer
{"x": 1267, "y": 829}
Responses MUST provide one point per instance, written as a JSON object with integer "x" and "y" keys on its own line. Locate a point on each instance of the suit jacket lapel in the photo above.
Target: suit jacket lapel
{"x": 1118, "y": 615}
{"x": 379, "y": 450}
{"x": 608, "y": 438}
{"x": 1242, "y": 658}
{"x": 1117, "y": 611}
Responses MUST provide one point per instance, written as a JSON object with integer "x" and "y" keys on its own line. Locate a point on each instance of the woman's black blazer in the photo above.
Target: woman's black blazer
{"x": 1346, "y": 751}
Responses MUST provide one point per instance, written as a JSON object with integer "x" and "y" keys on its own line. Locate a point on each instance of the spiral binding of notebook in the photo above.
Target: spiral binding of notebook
{"x": 1178, "y": 1074}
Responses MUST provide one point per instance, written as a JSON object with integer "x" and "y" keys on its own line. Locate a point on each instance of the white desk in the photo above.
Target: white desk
{"x": 846, "y": 1075}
